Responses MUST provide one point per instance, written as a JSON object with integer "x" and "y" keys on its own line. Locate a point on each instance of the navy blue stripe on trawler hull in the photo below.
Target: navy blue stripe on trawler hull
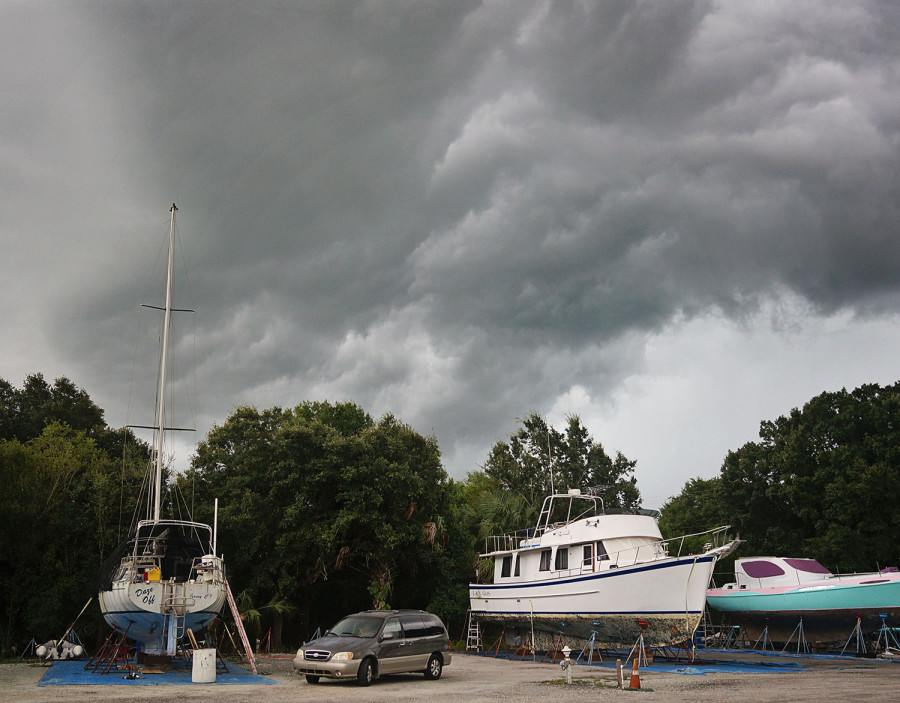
{"x": 622, "y": 571}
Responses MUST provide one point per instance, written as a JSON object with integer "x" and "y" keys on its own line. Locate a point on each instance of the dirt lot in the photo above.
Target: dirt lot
{"x": 472, "y": 678}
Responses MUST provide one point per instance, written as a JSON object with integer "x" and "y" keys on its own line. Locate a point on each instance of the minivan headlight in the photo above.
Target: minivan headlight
{"x": 342, "y": 656}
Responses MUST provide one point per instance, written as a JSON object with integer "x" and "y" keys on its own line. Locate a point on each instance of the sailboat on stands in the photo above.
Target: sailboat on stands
{"x": 777, "y": 595}
{"x": 166, "y": 577}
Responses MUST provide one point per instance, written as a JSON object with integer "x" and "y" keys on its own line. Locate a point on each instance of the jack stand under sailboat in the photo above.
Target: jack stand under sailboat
{"x": 801, "y": 639}
{"x": 856, "y": 635}
{"x": 886, "y": 635}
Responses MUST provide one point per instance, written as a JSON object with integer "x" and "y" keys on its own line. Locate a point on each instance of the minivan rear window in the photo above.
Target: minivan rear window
{"x": 433, "y": 625}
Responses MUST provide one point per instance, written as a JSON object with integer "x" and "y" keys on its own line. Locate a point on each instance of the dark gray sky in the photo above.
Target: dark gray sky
{"x": 672, "y": 219}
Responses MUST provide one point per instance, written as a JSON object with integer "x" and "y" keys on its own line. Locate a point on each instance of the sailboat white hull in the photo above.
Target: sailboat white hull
{"x": 156, "y": 614}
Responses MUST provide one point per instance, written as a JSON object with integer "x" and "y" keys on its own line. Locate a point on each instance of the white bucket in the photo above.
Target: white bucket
{"x": 204, "y": 666}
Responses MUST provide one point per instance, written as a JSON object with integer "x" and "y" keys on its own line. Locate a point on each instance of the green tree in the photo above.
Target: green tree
{"x": 25, "y": 412}
{"x": 323, "y": 507}
{"x": 523, "y": 464}
{"x": 822, "y": 481}
{"x": 697, "y": 508}
{"x": 59, "y": 515}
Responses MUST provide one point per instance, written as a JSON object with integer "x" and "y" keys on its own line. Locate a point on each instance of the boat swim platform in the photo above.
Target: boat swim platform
{"x": 71, "y": 672}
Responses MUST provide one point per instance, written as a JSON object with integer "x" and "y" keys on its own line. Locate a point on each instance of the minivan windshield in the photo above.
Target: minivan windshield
{"x": 357, "y": 626}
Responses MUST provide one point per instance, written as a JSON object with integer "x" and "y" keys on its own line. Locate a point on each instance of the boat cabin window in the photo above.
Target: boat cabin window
{"x": 545, "y": 560}
{"x": 516, "y": 570}
{"x": 761, "y": 569}
{"x": 809, "y": 565}
{"x": 601, "y": 552}
{"x": 562, "y": 558}
{"x": 506, "y": 568}
{"x": 587, "y": 557}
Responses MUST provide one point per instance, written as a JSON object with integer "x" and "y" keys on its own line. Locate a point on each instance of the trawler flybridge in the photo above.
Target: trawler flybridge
{"x": 583, "y": 572}
{"x": 166, "y": 577}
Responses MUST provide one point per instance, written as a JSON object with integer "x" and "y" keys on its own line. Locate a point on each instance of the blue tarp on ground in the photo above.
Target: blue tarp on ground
{"x": 72, "y": 673}
{"x": 699, "y": 668}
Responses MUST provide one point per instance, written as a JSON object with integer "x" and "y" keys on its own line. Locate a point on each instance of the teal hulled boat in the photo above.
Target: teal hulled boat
{"x": 773, "y": 594}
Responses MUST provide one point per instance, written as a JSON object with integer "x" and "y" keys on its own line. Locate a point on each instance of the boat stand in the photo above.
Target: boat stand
{"x": 555, "y": 649}
{"x": 736, "y": 638}
{"x": 525, "y": 648}
{"x": 639, "y": 651}
{"x": 887, "y": 634}
{"x": 496, "y": 645}
{"x": 30, "y": 649}
{"x": 677, "y": 652}
{"x": 857, "y": 634}
{"x": 590, "y": 646}
{"x": 766, "y": 642}
{"x": 113, "y": 655}
{"x": 801, "y": 639}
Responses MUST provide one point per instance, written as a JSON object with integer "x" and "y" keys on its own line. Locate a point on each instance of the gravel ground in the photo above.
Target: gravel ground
{"x": 471, "y": 678}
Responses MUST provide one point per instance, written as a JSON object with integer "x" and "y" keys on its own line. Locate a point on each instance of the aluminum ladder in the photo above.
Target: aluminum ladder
{"x": 239, "y": 626}
{"x": 473, "y": 637}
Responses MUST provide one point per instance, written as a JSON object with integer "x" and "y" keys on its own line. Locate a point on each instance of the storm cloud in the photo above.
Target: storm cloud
{"x": 673, "y": 219}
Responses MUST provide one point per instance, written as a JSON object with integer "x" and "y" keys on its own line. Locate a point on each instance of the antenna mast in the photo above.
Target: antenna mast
{"x": 550, "y": 461}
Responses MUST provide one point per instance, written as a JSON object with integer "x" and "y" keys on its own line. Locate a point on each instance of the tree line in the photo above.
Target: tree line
{"x": 323, "y": 509}
{"x": 822, "y": 482}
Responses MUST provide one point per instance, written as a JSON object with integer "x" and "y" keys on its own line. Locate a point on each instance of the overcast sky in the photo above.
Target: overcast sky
{"x": 673, "y": 219}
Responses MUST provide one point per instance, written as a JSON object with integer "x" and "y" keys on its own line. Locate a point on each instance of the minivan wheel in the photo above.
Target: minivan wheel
{"x": 311, "y": 678}
{"x": 366, "y": 672}
{"x": 435, "y": 667}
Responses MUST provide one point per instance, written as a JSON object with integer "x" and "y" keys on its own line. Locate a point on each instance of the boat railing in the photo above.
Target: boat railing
{"x": 181, "y": 524}
{"x": 507, "y": 542}
{"x": 207, "y": 564}
{"x": 591, "y": 501}
{"x": 150, "y": 533}
{"x": 717, "y": 537}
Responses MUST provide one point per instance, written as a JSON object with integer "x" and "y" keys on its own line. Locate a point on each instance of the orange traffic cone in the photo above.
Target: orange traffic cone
{"x": 635, "y": 678}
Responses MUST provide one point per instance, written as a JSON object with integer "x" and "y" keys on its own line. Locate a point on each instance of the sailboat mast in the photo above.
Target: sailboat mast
{"x": 161, "y": 392}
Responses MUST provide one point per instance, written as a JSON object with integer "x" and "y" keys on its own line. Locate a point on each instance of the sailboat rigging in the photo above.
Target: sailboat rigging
{"x": 166, "y": 577}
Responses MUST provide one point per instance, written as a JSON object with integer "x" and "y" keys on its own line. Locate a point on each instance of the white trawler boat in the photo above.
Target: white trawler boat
{"x": 583, "y": 573}
{"x": 166, "y": 577}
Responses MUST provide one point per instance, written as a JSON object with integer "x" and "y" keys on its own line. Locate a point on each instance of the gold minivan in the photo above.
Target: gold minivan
{"x": 373, "y": 643}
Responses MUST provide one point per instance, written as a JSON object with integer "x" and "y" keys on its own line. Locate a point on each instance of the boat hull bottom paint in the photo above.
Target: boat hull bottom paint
{"x": 613, "y": 630}
{"x": 825, "y": 626}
